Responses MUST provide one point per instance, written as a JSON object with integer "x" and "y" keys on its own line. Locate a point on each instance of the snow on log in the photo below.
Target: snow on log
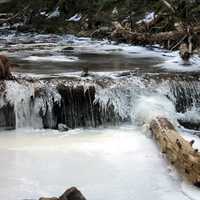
{"x": 178, "y": 151}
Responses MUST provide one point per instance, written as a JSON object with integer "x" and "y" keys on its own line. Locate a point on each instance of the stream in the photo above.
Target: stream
{"x": 108, "y": 152}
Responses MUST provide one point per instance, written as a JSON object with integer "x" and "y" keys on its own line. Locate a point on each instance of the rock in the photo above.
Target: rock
{"x": 72, "y": 194}
{"x": 62, "y": 127}
{"x": 85, "y": 72}
{"x": 184, "y": 52}
{"x": 68, "y": 48}
{"x": 5, "y": 66}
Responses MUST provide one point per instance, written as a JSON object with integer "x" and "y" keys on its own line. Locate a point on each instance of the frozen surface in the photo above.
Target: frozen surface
{"x": 115, "y": 163}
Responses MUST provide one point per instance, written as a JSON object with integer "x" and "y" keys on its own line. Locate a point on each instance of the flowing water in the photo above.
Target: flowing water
{"x": 108, "y": 152}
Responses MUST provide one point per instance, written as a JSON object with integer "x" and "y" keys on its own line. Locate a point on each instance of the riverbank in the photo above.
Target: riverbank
{"x": 141, "y": 22}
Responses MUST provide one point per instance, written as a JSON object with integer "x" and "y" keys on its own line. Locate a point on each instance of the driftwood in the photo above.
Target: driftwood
{"x": 179, "y": 152}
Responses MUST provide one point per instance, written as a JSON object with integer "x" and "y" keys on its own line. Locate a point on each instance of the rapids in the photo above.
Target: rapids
{"x": 108, "y": 151}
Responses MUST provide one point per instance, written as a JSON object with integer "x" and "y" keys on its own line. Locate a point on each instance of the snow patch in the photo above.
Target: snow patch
{"x": 77, "y": 17}
{"x": 55, "y": 13}
{"x": 149, "y": 17}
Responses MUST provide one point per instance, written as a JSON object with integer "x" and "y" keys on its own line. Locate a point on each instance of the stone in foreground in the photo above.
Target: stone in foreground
{"x": 70, "y": 194}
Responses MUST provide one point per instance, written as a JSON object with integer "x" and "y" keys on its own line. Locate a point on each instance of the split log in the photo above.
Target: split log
{"x": 178, "y": 151}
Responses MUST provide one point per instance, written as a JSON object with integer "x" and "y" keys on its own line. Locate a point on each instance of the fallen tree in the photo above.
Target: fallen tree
{"x": 166, "y": 39}
{"x": 178, "y": 151}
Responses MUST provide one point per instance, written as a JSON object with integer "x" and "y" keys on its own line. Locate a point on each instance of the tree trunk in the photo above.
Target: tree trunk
{"x": 178, "y": 151}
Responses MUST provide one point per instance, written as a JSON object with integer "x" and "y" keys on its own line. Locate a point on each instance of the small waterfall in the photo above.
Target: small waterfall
{"x": 30, "y": 103}
{"x": 141, "y": 100}
{"x": 91, "y": 103}
{"x": 186, "y": 97}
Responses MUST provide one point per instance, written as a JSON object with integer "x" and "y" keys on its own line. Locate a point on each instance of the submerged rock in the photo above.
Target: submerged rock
{"x": 70, "y": 194}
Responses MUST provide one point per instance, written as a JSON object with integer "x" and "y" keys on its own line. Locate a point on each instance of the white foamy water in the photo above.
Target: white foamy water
{"x": 119, "y": 163}
{"x": 149, "y": 107}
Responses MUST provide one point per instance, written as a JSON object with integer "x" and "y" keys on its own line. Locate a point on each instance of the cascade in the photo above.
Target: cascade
{"x": 91, "y": 103}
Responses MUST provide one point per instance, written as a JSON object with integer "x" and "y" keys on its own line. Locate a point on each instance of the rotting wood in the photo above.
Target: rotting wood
{"x": 178, "y": 151}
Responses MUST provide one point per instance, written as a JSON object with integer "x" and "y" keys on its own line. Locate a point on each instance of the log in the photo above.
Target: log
{"x": 121, "y": 34}
{"x": 178, "y": 151}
